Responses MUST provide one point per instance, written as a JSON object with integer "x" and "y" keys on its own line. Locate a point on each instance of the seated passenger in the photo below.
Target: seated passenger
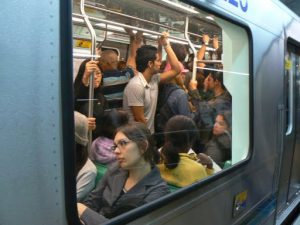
{"x": 106, "y": 127}
{"x": 178, "y": 168}
{"x": 85, "y": 169}
{"x": 132, "y": 182}
{"x": 219, "y": 147}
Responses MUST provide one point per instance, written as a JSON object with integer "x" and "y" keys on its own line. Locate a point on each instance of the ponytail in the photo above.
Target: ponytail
{"x": 170, "y": 155}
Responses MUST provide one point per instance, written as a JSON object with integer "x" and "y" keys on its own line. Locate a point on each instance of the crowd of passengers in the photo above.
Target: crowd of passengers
{"x": 154, "y": 128}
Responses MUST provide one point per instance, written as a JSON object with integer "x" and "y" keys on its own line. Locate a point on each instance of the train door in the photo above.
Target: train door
{"x": 289, "y": 184}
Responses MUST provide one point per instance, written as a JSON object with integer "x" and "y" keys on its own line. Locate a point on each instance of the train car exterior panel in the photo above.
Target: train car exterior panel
{"x": 31, "y": 162}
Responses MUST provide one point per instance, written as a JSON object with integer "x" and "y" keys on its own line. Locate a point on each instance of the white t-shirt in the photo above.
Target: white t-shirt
{"x": 139, "y": 92}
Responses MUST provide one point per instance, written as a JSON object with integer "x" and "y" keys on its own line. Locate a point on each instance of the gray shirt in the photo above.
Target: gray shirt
{"x": 85, "y": 180}
{"x": 139, "y": 92}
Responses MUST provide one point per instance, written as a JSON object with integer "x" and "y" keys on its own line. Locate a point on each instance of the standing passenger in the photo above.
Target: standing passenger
{"x": 207, "y": 111}
{"x": 81, "y": 91}
{"x": 140, "y": 95}
{"x": 115, "y": 80}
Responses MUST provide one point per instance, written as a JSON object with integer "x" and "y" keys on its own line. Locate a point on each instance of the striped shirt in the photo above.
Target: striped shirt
{"x": 114, "y": 83}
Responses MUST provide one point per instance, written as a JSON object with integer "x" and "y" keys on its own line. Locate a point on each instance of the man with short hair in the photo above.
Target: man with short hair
{"x": 140, "y": 94}
{"x": 207, "y": 111}
{"x": 115, "y": 80}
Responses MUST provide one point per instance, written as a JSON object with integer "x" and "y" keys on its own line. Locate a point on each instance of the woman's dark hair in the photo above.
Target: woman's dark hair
{"x": 180, "y": 51}
{"x": 82, "y": 106}
{"x": 145, "y": 54}
{"x": 180, "y": 134}
{"x": 80, "y": 73}
{"x": 110, "y": 121}
{"x": 139, "y": 133}
{"x": 81, "y": 157}
{"x": 227, "y": 116}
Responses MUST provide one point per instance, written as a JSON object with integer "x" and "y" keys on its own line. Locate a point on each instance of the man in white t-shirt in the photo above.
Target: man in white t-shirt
{"x": 140, "y": 94}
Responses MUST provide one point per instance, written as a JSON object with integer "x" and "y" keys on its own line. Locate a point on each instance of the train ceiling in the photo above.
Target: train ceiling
{"x": 169, "y": 18}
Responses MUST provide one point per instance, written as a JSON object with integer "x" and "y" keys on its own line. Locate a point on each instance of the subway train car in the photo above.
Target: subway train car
{"x": 42, "y": 44}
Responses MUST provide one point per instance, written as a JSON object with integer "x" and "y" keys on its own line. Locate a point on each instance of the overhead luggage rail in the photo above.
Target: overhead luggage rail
{"x": 94, "y": 19}
{"x": 138, "y": 19}
{"x": 130, "y": 17}
{"x": 210, "y": 61}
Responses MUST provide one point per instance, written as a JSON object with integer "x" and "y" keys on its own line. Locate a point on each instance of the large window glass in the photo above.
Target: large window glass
{"x": 199, "y": 116}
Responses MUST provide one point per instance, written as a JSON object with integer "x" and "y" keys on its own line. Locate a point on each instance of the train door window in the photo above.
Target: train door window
{"x": 221, "y": 105}
{"x": 293, "y": 116}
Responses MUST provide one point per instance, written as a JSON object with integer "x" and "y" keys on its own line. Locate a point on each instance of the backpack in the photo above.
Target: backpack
{"x": 163, "y": 112}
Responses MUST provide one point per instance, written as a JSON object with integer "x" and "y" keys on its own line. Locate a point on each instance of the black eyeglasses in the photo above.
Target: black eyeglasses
{"x": 121, "y": 144}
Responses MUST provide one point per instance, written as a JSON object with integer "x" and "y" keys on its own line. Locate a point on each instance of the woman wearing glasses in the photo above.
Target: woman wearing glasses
{"x": 132, "y": 182}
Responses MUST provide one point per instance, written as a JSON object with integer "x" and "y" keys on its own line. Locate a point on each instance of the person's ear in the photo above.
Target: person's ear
{"x": 150, "y": 64}
{"x": 144, "y": 146}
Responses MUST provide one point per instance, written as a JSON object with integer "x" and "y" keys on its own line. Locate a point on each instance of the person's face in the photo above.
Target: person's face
{"x": 180, "y": 79}
{"x": 220, "y": 126}
{"x": 127, "y": 152}
{"x": 209, "y": 83}
{"x": 156, "y": 64}
{"x": 97, "y": 78}
{"x": 98, "y": 52}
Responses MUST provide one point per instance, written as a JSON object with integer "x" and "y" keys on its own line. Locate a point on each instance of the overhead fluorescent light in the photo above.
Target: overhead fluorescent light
{"x": 75, "y": 19}
{"x": 180, "y": 6}
{"x": 154, "y": 36}
{"x": 177, "y": 41}
{"x": 110, "y": 27}
{"x": 210, "y": 18}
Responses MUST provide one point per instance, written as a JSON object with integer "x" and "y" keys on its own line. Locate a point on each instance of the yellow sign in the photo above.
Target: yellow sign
{"x": 240, "y": 203}
{"x": 288, "y": 64}
{"x": 83, "y": 44}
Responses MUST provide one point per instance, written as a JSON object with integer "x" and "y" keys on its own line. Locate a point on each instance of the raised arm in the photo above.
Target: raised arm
{"x": 201, "y": 51}
{"x": 136, "y": 41}
{"x": 175, "y": 67}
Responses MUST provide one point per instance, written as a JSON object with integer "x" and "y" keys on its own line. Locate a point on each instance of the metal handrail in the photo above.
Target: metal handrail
{"x": 139, "y": 19}
{"x": 94, "y": 19}
{"x": 192, "y": 47}
{"x": 93, "y": 50}
{"x": 224, "y": 71}
{"x": 210, "y": 61}
{"x": 131, "y": 17}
